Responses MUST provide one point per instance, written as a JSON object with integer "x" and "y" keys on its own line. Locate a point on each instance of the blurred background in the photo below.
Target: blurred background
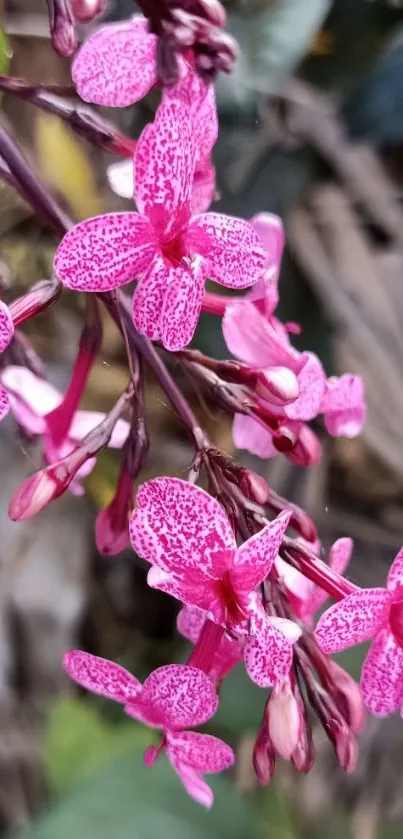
{"x": 312, "y": 129}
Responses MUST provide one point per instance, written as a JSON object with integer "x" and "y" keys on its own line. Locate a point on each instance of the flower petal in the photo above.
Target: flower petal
{"x": 231, "y": 245}
{"x": 182, "y": 305}
{"x": 104, "y": 252}
{"x": 4, "y": 402}
{"x": 254, "y": 559}
{"x": 311, "y": 382}
{"x": 249, "y": 434}
{"x": 201, "y": 752}
{"x": 267, "y": 655}
{"x": 271, "y": 231}
{"x": 289, "y": 628}
{"x": 179, "y": 526}
{"x": 101, "y": 676}
{"x": 198, "y": 99}
{"x": 6, "y": 326}
{"x": 85, "y": 421}
{"x": 121, "y": 177}
{"x": 395, "y": 575}
{"x": 344, "y": 406}
{"x": 339, "y": 557}
{"x": 382, "y": 675}
{"x": 180, "y": 696}
{"x": 164, "y": 166}
{"x": 148, "y": 298}
{"x": 127, "y": 48}
{"x": 256, "y": 340}
{"x": 31, "y": 398}
{"x": 355, "y": 619}
{"x": 193, "y": 782}
{"x": 203, "y": 187}
{"x": 193, "y": 590}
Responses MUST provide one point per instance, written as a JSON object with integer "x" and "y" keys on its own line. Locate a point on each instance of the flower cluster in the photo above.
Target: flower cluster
{"x": 245, "y": 564}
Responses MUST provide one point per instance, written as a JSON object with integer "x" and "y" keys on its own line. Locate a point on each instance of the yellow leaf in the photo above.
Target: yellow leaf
{"x": 66, "y": 166}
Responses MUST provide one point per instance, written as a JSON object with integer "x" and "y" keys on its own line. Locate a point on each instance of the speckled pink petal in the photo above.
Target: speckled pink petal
{"x": 267, "y": 655}
{"x": 199, "y": 100}
{"x": 30, "y": 397}
{"x": 339, "y": 557}
{"x": 203, "y": 187}
{"x": 190, "y": 622}
{"x": 4, "y": 403}
{"x": 101, "y": 676}
{"x": 395, "y": 575}
{"x": 252, "y": 338}
{"x": 249, "y": 434}
{"x": 6, "y": 326}
{"x": 181, "y": 696}
{"x": 355, "y": 619}
{"x": 178, "y": 525}
{"x": 382, "y": 675}
{"x": 121, "y": 178}
{"x": 164, "y": 164}
{"x": 194, "y": 588}
{"x": 182, "y": 305}
{"x": 202, "y": 752}
{"x": 148, "y": 298}
{"x": 344, "y": 406}
{"x": 104, "y": 252}
{"x": 254, "y": 559}
{"x": 233, "y": 248}
{"x": 311, "y": 382}
{"x": 193, "y": 782}
{"x": 116, "y": 65}
{"x": 85, "y": 421}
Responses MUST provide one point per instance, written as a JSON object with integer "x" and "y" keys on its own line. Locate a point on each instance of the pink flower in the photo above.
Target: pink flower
{"x": 170, "y": 251}
{"x": 6, "y": 334}
{"x": 186, "y": 536}
{"x": 284, "y": 719}
{"x": 172, "y": 698}
{"x": 344, "y": 406}
{"x": 32, "y": 398}
{"x": 190, "y": 623}
{"x": 262, "y": 343}
{"x": 372, "y": 613}
{"x": 306, "y": 597}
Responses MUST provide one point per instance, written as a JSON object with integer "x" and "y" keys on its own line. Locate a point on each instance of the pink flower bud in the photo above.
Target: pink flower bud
{"x": 39, "y": 298}
{"x": 253, "y": 486}
{"x": 32, "y": 496}
{"x": 112, "y": 523}
{"x": 213, "y": 11}
{"x": 347, "y": 697}
{"x": 264, "y": 756}
{"x": 284, "y": 719}
{"x": 64, "y": 38}
{"x": 303, "y": 756}
{"x": 344, "y": 742}
{"x": 150, "y": 755}
{"x": 307, "y": 450}
{"x": 87, "y": 10}
{"x": 277, "y": 385}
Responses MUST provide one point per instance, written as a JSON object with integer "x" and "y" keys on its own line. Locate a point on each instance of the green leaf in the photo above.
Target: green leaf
{"x": 79, "y": 742}
{"x": 128, "y": 801}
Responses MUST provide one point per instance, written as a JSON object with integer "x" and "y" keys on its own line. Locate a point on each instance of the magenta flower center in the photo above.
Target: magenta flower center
{"x": 396, "y": 619}
{"x": 227, "y": 595}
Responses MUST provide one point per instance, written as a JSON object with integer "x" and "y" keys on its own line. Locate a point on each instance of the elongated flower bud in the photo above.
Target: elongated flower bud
{"x": 284, "y": 719}
{"x": 87, "y": 10}
{"x": 62, "y": 27}
{"x": 277, "y": 385}
{"x": 264, "y": 756}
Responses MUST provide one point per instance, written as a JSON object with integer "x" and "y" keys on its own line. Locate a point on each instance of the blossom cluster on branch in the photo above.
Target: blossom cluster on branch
{"x": 250, "y": 584}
